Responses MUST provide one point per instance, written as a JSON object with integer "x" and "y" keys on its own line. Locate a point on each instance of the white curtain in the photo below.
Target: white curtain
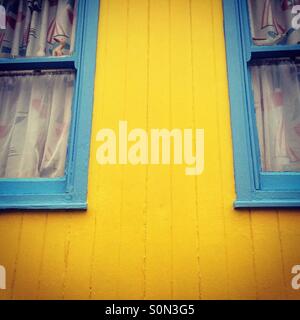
{"x": 35, "y": 115}
{"x": 276, "y": 90}
{"x": 271, "y": 22}
{"x": 38, "y": 28}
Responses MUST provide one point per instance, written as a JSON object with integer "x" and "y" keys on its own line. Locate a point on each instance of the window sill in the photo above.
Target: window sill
{"x": 243, "y": 204}
{"x": 42, "y": 206}
{"x": 43, "y": 202}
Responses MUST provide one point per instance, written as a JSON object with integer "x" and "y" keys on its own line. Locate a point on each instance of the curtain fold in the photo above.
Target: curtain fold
{"x": 35, "y": 116}
{"x": 271, "y": 22}
{"x": 276, "y": 88}
{"x": 38, "y": 28}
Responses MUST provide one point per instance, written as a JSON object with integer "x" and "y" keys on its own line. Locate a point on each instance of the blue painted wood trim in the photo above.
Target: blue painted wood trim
{"x": 69, "y": 192}
{"x": 241, "y": 139}
{"x": 256, "y": 204}
{"x": 254, "y": 188}
{"x": 43, "y": 205}
{"x": 274, "y": 51}
{"x": 280, "y": 181}
{"x": 81, "y": 129}
{"x": 27, "y": 63}
{"x": 31, "y": 186}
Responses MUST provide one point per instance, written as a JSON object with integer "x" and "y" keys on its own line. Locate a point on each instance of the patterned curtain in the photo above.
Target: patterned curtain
{"x": 276, "y": 86}
{"x": 35, "y": 115}
{"x": 38, "y": 28}
{"x": 271, "y": 22}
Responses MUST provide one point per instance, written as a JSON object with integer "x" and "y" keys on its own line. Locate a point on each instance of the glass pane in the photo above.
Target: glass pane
{"x": 272, "y": 22}
{"x": 38, "y": 28}
{"x": 35, "y": 115}
{"x": 276, "y": 89}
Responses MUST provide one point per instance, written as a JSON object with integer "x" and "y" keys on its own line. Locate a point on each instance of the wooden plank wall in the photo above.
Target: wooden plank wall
{"x": 151, "y": 232}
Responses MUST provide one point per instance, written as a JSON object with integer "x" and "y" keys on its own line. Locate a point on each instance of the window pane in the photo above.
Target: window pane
{"x": 271, "y": 22}
{"x": 35, "y": 115}
{"x": 276, "y": 88}
{"x": 38, "y": 28}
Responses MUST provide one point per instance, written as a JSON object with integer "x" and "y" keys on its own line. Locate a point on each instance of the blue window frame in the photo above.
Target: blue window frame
{"x": 254, "y": 187}
{"x": 70, "y": 191}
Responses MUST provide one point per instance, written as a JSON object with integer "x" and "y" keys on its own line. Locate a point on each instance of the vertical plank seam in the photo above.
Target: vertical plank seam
{"x": 66, "y": 256}
{"x": 14, "y": 276}
{"x": 171, "y": 167}
{"x": 253, "y": 254}
{"x": 220, "y": 153}
{"x": 42, "y": 257}
{"x": 145, "y": 210}
{"x": 122, "y": 167}
{"x": 93, "y": 252}
{"x": 283, "y": 267}
{"x": 100, "y": 118}
{"x": 196, "y": 179}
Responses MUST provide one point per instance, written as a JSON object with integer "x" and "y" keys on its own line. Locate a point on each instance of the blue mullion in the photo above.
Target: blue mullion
{"x": 38, "y": 63}
{"x": 26, "y": 60}
{"x": 278, "y": 51}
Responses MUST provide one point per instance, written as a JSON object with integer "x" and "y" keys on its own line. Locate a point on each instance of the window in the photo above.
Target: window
{"x": 47, "y": 67}
{"x": 263, "y": 57}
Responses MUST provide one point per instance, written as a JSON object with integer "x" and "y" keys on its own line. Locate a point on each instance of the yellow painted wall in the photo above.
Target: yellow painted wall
{"x": 152, "y": 232}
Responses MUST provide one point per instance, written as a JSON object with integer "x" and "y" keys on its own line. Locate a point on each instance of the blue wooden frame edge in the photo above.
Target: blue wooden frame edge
{"x": 241, "y": 139}
{"x": 253, "y": 187}
{"x": 69, "y": 192}
{"x": 256, "y": 204}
